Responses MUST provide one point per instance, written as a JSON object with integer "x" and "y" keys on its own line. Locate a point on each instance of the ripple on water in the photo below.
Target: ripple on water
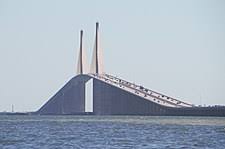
{"x": 111, "y": 132}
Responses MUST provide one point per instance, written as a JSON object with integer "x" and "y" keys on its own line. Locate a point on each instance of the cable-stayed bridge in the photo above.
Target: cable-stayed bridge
{"x": 115, "y": 96}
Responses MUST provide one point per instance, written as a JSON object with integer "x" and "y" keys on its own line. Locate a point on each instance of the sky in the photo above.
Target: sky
{"x": 175, "y": 47}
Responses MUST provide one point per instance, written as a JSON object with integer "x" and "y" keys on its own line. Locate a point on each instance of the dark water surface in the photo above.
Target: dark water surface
{"x": 50, "y": 132}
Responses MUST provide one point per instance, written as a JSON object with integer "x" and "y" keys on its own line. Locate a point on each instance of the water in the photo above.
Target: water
{"x": 125, "y": 132}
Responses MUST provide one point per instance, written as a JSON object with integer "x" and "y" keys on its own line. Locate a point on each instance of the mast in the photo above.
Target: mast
{"x": 12, "y": 108}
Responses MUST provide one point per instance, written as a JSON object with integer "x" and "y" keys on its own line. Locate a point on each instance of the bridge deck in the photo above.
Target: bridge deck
{"x": 141, "y": 91}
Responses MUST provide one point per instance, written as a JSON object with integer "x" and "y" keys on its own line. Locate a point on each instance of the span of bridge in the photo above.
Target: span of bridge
{"x": 115, "y": 96}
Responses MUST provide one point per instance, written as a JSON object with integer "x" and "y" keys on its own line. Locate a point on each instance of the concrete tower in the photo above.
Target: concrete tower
{"x": 82, "y": 64}
{"x": 97, "y": 57}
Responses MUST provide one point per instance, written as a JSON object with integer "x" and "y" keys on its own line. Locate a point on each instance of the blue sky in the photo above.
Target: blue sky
{"x": 174, "y": 47}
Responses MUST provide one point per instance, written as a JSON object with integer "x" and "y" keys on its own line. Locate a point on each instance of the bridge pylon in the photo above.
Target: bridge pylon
{"x": 97, "y": 57}
{"x": 82, "y": 60}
